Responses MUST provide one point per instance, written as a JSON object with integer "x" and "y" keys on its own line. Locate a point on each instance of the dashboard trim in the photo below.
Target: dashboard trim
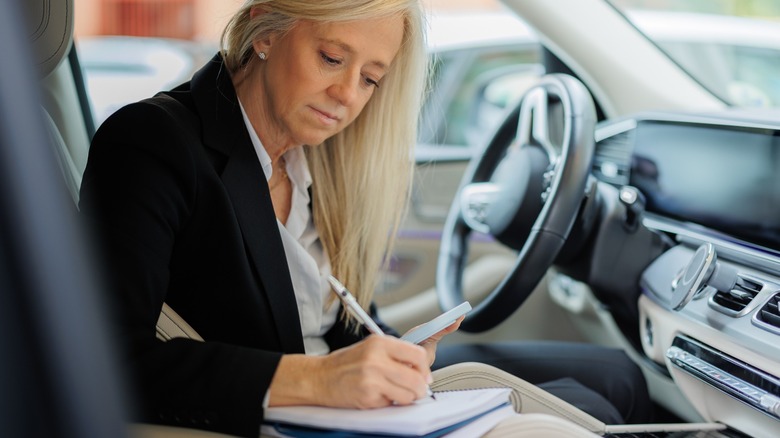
{"x": 731, "y": 376}
{"x": 745, "y": 253}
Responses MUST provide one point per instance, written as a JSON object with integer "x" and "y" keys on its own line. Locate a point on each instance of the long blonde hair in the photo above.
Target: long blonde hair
{"x": 361, "y": 176}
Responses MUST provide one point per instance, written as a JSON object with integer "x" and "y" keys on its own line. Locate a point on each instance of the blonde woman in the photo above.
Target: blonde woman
{"x": 235, "y": 195}
{"x": 231, "y": 198}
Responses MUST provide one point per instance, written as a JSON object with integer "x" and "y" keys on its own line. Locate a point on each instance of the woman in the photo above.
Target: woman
{"x": 190, "y": 190}
{"x": 235, "y": 195}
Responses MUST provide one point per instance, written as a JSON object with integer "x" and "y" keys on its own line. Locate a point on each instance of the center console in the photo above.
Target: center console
{"x": 719, "y": 339}
{"x": 708, "y": 309}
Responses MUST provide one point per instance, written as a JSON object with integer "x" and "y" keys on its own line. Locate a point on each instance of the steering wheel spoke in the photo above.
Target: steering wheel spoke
{"x": 533, "y": 128}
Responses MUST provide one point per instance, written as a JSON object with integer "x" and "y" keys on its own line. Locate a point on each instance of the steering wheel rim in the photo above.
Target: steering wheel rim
{"x": 521, "y": 191}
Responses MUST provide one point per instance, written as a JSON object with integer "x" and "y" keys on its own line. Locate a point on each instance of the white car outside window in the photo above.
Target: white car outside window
{"x": 481, "y": 72}
{"x": 477, "y": 73}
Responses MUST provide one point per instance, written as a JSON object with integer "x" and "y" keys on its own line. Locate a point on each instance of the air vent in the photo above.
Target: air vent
{"x": 770, "y": 314}
{"x": 612, "y": 158}
{"x": 735, "y": 301}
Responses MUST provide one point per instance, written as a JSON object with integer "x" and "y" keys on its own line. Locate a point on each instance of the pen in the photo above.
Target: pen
{"x": 364, "y": 318}
{"x": 349, "y": 300}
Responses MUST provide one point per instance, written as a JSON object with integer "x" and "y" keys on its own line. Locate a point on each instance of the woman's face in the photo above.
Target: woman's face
{"x": 319, "y": 76}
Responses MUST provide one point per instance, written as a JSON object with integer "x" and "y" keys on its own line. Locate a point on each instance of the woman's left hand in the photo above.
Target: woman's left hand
{"x": 430, "y": 343}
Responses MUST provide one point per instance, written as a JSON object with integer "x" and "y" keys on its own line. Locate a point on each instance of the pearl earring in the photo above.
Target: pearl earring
{"x": 262, "y": 56}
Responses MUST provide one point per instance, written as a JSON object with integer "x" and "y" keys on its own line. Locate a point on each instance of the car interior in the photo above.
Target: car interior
{"x": 656, "y": 231}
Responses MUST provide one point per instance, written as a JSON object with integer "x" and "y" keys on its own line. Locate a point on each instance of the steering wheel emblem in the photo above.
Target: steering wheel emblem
{"x": 475, "y": 200}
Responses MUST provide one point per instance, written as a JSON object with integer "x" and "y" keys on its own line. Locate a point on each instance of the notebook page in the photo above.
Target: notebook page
{"x": 450, "y": 407}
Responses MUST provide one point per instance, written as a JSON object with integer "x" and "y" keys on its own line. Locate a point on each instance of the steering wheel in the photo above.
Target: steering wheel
{"x": 525, "y": 190}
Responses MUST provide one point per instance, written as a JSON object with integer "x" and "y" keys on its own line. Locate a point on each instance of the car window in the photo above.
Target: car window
{"x": 748, "y": 76}
{"x": 123, "y": 69}
{"x": 464, "y": 79}
{"x": 732, "y": 49}
{"x": 476, "y": 74}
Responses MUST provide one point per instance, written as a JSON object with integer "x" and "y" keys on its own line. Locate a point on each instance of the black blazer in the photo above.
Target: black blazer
{"x": 183, "y": 214}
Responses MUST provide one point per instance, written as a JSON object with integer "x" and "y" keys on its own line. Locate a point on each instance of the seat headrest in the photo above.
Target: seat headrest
{"x": 50, "y": 24}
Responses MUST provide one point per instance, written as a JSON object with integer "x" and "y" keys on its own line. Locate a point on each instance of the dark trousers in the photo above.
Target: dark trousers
{"x": 604, "y": 382}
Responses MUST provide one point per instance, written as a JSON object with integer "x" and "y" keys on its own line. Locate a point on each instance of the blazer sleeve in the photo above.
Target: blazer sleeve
{"x": 137, "y": 193}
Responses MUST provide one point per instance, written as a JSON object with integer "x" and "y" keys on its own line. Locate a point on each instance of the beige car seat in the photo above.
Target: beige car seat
{"x": 51, "y": 30}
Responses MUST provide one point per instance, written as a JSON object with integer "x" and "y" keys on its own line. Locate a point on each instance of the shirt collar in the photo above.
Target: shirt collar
{"x": 297, "y": 165}
{"x": 262, "y": 154}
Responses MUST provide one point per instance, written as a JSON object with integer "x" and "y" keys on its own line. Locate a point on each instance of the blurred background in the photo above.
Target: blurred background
{"x": 202, "y": 20}
{"x": 130, "y": 49}
{"x": 195, "y": 20}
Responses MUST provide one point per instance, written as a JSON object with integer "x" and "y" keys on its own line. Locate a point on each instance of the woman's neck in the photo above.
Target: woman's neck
{"x": 251, "y": 95}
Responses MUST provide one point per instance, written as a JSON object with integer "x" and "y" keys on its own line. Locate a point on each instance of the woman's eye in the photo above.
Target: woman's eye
{"x": 329, "y": 60}
{"x": 371, "y": 82}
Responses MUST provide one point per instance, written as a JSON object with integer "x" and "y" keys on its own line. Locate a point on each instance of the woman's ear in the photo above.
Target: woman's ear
{"x": 260, "y": 45}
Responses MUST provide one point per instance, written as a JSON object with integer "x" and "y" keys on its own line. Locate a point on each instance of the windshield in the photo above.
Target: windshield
{"x": 730, "y": 47}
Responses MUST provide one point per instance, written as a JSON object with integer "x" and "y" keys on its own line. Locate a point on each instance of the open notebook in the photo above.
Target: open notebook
{"x": 427, "y": 418}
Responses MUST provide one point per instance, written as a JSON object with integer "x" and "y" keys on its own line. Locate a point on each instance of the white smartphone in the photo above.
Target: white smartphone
{"x": 437, "y": 324}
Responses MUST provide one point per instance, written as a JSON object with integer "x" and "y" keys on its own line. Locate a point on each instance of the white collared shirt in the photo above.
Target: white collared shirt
{"x": 309, "y": 265}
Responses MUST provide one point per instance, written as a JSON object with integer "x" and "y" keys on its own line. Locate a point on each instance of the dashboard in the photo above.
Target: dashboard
{"x": 722, "y": 173}
{"x": 708, "y": 309}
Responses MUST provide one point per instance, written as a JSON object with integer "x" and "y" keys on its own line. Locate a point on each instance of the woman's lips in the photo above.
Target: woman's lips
{"x": 326, "y": 117}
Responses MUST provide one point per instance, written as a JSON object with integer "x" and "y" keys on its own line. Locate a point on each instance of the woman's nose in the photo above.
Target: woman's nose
{"x": 345, "y": 90}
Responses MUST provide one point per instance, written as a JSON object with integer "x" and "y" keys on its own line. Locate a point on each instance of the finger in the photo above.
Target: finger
{"x": 405, "y": 385}
{"x": 431, "y": 343}
{"x": 407, "y": 353}
{"x": 415, "y": 370}
{"x": 444, "y": 332}
{"x": 450, "y": 328}
{"x": 394, "y": 370}
{"x": 418, "y": 362}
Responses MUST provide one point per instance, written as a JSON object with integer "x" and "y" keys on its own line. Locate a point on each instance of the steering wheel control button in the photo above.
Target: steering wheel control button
{"x": 547, "y": 179}
{"x": 648, "y": 335}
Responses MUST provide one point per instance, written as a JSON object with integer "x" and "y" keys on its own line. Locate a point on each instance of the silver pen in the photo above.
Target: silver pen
{"x": 364, "y": 318}
{"x": 351, "y": 303}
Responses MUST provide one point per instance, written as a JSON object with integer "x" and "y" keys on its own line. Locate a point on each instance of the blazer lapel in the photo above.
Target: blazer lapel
{"x": 224, "y": 130}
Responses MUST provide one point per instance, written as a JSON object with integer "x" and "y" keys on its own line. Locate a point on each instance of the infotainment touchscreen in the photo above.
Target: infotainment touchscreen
{"x": 725, "y": 178}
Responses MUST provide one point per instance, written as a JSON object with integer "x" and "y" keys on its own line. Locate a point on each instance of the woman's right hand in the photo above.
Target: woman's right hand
{"x": 376, "y": 372}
